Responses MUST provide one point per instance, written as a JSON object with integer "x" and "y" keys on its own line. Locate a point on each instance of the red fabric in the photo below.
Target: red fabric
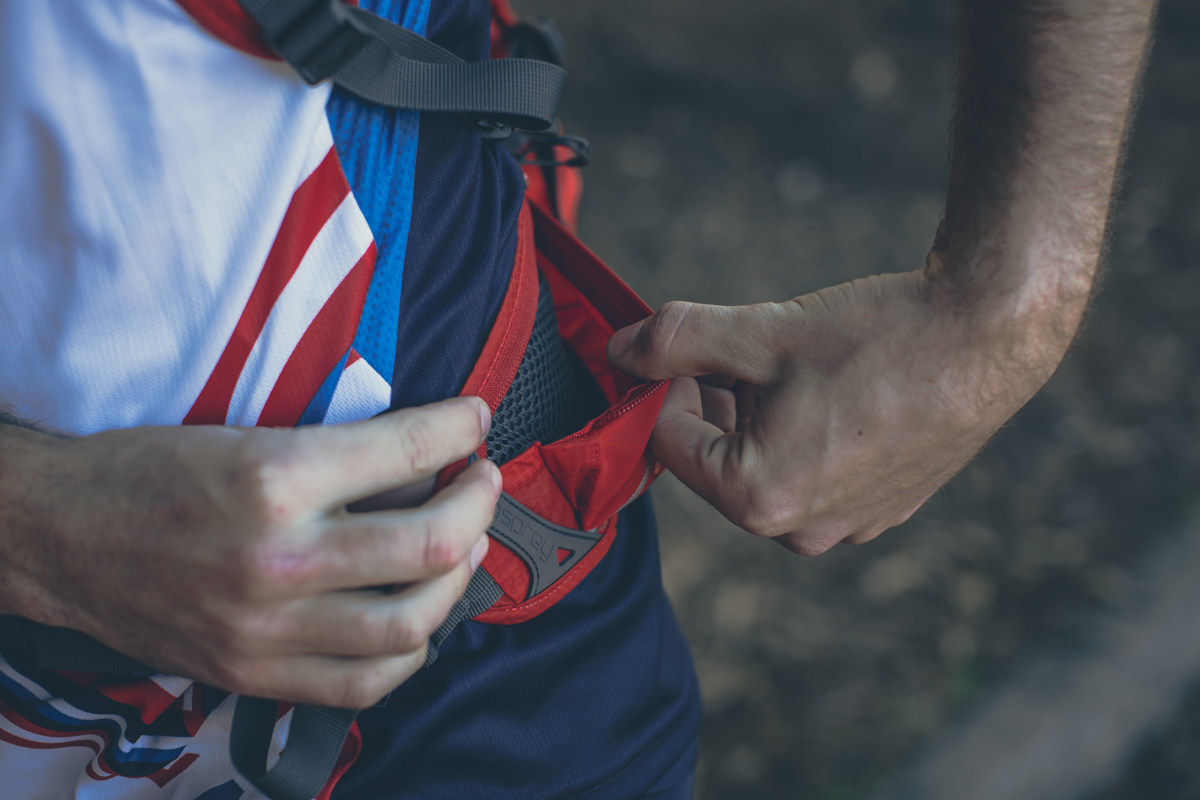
{"x": 583, "y": 480}
{"x": 504, "y": 19}
{"x": 568, "y": 189}
{"x": 192, "y": 707}
{"x": 350, "y": 750}
{"x": 311, "y": 207}
{"x": 150, "y": 699}
{"x": 229, "y": 22}
{"x": 320, "y": 348}
{"x": 615, "y": 301}
{"x": 504, "y": 348}
{"x": 556, "y": 190}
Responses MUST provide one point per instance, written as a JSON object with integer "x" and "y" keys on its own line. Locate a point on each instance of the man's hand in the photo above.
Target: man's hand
{"x": 227, "y": 554}
{"x": 828, "y": 418}
{"x": 834, "y": 416}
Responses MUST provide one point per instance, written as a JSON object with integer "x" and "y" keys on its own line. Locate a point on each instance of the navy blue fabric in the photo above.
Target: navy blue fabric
{"x": 595, "y": 698}
{"x": 679, "y": 782}
{"x": 463, "y": 236}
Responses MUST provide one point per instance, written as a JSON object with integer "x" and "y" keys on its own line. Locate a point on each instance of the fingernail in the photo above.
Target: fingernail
{"x": 623, "y": 339}
{"x": 497, "y": 478}
{"x": 485, "y": 417}
{"x": 478, "y": 552}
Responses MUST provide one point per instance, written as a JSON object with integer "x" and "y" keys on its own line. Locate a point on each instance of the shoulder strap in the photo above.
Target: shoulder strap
{"x": 387, "y": 64}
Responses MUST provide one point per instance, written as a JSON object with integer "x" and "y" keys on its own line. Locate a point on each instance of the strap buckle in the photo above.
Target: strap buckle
{"x": 317, "y": 37}
{"x": 538, "y": 149}
{"x": 494, "y": 130}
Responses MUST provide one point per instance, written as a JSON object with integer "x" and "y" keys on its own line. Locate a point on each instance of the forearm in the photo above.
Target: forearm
{"x": 849, "y": 407}
{"x": 26, "y": 456}
{"x": 1045, "y": 95}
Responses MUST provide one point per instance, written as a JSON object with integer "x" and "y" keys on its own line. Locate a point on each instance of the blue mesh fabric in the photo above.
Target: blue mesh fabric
{"x": 378, "y": 150}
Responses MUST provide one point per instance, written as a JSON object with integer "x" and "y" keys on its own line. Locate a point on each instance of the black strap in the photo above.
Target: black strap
{"x": 387, "y": 64}
{"x": 67, "y": 649}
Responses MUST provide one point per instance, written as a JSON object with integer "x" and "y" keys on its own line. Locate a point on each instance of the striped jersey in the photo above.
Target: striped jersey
{"x": 190, "y": 234}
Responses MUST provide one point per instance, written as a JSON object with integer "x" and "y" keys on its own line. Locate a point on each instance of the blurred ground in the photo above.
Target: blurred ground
{"x": 759, "y": 150}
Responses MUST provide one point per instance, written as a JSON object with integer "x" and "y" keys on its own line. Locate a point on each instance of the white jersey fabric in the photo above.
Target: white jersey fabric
{"x": 177, "y": 243}
{"x": 147, "y": 168}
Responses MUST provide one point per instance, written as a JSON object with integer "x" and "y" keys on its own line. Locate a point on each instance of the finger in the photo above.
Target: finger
{"x": 719, "y": 381}
{"x": 746, "y": 395}
{"x": 690, "y": 339}
{"x": 326, "y": 681}
{"x": 387, "y": 547}
{"x": 406, "y": 496}
{"x": 368, "y": 624}
{"x": 696, "y": 451}
{"x": 719, "y": 407}
{"x": 330, "y": 466}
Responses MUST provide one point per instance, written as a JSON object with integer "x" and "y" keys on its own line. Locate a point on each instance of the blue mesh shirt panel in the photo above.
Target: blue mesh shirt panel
{"x": 378, "y": 150}
{"x": 462, "y": 239}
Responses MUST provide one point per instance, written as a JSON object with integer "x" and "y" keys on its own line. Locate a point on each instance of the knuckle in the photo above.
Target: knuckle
{"x": 358, "y": 692}
{"x": 404, "y": 632}
{"x": 808, "y": 547}
{"x": 364, "y": 688}
{"x": 461, "y": 579}
{"x": 263, "y": 481}
{"x": 419, "y": 443}
{"x": 660, "y": 330}
{"x": 241, "y": 676}
{"x": 768, "y": 512}
{"x": 444, "y": 544}
{"x": 478, "y": 511}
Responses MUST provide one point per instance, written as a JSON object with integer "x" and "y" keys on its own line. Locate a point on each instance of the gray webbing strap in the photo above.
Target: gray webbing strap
{"x": 314, "y": 741}
{"x": 481, "y": 592}
{"x": 387, "y": 64}
{"x": 317, "y": 733}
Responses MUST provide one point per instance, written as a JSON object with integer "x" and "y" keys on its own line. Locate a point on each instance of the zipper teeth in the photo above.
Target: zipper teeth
{"x": 617, "y": 411}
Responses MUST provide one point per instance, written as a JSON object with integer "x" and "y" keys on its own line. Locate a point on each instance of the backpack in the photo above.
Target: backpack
{"x": 556, "y": 518}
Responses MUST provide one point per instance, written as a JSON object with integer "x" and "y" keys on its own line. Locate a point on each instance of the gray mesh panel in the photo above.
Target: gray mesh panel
{"x": 542, "y": 405}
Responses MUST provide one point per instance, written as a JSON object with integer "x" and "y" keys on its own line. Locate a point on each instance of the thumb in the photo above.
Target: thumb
{"x": 710, "y": 462}
{"x": 691, "y": 339}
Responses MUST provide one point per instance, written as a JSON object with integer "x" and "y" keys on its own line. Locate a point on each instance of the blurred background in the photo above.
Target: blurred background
{"x": 1035, "y": 620}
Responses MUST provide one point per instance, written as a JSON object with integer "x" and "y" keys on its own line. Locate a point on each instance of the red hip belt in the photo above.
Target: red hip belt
{"x": 557, "y": 516}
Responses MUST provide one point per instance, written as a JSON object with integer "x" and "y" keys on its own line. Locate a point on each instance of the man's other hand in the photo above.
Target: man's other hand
{"x": 227, "y": 554}
{"x": 831, "y": 417}
{"x": 834, "y": 416}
